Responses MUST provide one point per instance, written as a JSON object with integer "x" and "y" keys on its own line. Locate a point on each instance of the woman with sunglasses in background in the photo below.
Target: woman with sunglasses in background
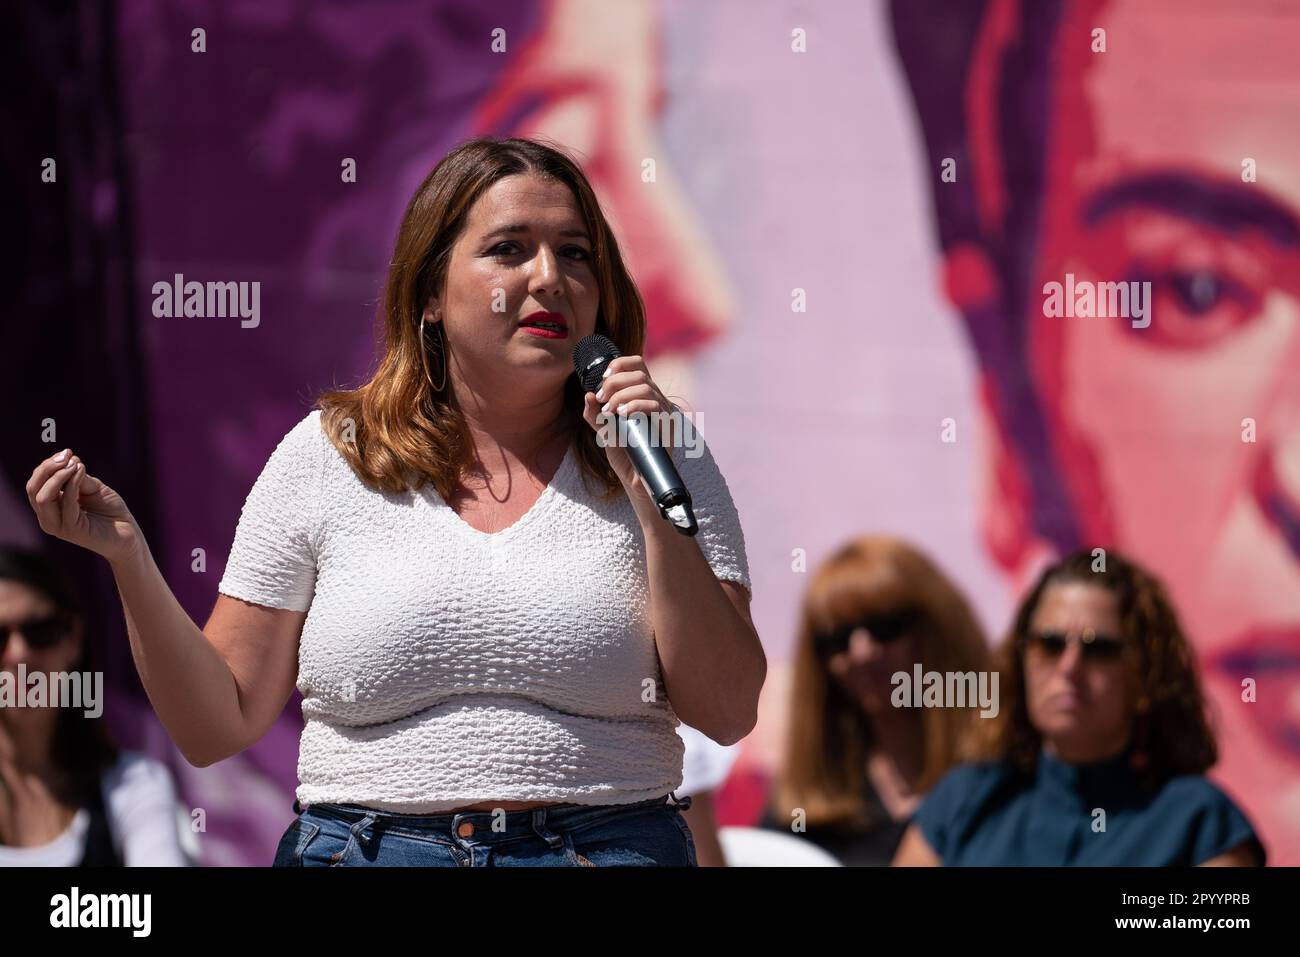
{"x": 68, "y": 796}
{"x": 855, "y": 766}
{"x": 1099, "y": 749}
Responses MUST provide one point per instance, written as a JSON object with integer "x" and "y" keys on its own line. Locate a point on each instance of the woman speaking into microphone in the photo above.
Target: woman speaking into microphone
{"x": 494, "y": 630}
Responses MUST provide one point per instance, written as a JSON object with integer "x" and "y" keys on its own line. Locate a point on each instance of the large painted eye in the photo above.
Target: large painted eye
{"x": 1193, "y": 308}
{"x": 1198, "y": 291}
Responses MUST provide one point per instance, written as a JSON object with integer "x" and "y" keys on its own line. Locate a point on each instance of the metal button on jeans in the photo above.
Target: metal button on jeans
{"x": 466, "y": 829}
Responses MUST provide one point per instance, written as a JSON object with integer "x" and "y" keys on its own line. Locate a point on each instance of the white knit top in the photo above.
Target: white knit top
{"x": 442, "y": 666}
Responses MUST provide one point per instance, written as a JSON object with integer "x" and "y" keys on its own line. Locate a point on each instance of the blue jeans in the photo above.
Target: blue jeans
{"x": 649, "y": 833}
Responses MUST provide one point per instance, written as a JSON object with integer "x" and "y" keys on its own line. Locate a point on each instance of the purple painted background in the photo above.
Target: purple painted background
{"x": 774, "y": 172}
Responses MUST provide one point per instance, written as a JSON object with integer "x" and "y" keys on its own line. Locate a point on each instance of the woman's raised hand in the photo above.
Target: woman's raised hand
{"x": 77, "y": 507}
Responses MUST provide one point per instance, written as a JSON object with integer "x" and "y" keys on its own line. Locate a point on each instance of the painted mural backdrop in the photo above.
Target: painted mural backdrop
{"x": 843, "y": 217}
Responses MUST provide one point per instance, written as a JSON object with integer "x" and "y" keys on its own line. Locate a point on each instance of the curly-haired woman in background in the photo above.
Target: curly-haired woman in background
{"x": 1099, "y": 752}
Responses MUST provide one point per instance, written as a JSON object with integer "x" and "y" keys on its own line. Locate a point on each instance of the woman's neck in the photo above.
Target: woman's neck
{"x": 896, "y": 762}
{"x": 27, "y": 739}
{"x": 1085, "y": 752}
{"x": 511, "y": 424}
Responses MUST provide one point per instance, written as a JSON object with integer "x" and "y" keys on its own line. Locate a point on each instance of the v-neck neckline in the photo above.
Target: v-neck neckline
{"x": 553, "y": 487}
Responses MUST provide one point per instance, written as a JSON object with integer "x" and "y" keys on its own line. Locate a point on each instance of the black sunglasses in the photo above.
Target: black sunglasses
{"x": 40, "y": 633}
{"x": 884, "y": 628}
{"x": 1095, "y": 647}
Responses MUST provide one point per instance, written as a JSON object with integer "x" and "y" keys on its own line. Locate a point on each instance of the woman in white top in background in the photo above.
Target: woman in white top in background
{"x": 494, "y": 631}
{"x": 68, "y": 796}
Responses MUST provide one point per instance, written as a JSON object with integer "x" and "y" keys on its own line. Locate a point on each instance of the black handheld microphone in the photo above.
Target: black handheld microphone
{"x": 653, "y": 462}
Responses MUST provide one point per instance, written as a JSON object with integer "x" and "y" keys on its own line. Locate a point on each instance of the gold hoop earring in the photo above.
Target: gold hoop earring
{"x": 424, "y": 357}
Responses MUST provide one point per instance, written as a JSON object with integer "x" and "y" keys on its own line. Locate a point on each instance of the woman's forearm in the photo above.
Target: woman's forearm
{"x": 187, "y": 680}
{"x": 713, "y": 662}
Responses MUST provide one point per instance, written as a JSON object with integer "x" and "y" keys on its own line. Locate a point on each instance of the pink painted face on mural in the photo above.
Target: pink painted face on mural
{"x": 1180, "y": 441}
{"x": 592, "y": 79}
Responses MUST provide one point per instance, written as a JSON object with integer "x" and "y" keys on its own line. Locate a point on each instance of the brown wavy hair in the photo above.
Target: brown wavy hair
{"x": 1173, "y": 733}
{"x": 829, "y": 738}
{"x": 407, "y": 434}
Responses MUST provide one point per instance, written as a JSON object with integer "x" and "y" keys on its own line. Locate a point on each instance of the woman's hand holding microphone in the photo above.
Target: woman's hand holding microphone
{"x": 627, "y": 390}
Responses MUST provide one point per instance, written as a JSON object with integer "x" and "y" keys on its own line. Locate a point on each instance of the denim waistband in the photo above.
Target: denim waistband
{"x": 563, "y": 816}
{"x": 365, "y": 821}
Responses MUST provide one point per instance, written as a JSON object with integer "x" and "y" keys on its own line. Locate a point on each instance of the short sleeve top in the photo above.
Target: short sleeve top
{"x": 441, "y": 665}
{"x": 987, "y": 814}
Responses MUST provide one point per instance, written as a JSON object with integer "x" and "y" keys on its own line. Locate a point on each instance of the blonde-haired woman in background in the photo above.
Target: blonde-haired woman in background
{"x": 855, "y": 765}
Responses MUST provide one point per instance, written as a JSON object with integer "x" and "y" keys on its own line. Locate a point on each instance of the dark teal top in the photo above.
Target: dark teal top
{"x": 987, "y": 814}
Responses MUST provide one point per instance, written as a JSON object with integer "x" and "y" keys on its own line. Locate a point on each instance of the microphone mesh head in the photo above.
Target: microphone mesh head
{"x": 590, "y": 357}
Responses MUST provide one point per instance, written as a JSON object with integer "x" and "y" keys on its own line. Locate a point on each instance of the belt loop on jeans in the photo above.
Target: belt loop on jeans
{"x": 544, "y": 832}
{"x": 683, "y": 802}
{"x": 359, "y": 829}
